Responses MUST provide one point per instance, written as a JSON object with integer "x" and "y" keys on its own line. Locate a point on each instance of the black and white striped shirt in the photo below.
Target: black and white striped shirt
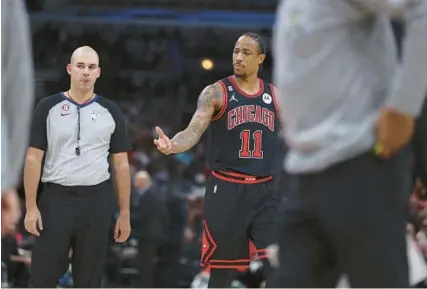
{"x": 55, "y": 128}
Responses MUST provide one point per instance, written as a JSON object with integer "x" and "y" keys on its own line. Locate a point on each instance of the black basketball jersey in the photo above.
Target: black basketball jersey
{"x": 243, "y": 135}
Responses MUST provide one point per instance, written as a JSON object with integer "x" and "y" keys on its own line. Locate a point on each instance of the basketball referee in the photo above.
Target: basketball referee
{"x": 76, "y": 131}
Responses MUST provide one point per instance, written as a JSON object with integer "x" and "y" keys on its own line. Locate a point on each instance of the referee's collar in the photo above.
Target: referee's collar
{"x": 77, "y": 104}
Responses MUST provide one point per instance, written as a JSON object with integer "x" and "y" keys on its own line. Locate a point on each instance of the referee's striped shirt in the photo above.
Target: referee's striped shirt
{"x": 55, "y": 129}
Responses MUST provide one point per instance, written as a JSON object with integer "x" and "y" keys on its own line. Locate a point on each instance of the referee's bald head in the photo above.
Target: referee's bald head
{"x": 84, "y": 51}
{"x": 84, "y": 69}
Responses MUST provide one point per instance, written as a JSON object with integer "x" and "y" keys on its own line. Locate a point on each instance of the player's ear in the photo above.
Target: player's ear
{"x": 69, "y": 69}
{"x": 261, "y": 58}
{"x": 99, "y": 72}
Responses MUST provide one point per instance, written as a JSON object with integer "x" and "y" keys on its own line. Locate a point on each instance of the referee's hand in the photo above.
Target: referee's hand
{"x": 33, "y": 219}
{"x": 122, "y": 229}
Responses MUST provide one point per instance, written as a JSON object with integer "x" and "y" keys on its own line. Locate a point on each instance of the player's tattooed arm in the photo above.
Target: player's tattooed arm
{"x": 210, "y": 100}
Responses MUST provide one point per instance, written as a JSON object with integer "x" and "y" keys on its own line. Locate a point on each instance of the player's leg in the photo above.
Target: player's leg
{"x": 50, "y": 253}
{"x": 93, "y": 234}
{"x": 263, "y": 227}
{"x": 224, "y": 246}
{"x": 305, "y": 258}
{"x": 364, "y": 209}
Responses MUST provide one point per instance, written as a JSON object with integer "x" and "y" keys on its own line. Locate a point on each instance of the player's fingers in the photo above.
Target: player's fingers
{"x": 160, "y": 132}
{"x": 156, "y": 142}
{"x": 163, "y": 150}
{"x": 161, "y": 146}
{"x": 164, "y": 144}
{"x": 168, "y": 144}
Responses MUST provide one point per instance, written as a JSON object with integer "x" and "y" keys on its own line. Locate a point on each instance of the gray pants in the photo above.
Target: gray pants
{"x": 348, "y": 219}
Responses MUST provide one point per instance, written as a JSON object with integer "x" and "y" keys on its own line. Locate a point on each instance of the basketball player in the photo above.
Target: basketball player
{"x": 240, "y": 204}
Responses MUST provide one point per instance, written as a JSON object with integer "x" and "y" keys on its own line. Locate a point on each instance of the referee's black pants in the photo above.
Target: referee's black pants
{"x": 79, "y": 218}
{"x": 349, "y": 219}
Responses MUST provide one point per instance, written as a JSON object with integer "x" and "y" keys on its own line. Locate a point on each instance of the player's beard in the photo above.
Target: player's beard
{"x": 239, "y": 74}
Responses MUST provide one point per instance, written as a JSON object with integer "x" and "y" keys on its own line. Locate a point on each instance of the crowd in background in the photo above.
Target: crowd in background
{"x": 154, "y": 74}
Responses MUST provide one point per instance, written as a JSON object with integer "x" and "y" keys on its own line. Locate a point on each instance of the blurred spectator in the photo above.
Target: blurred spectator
{"x": 149, "y": 222}
{"x": 172, "y": 250}
{"x": 16, "y": 260}
{"x": 193, "y": 230}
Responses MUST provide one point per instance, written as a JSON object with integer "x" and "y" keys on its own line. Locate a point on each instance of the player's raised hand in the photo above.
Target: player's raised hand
{"x": 163, "y": 143}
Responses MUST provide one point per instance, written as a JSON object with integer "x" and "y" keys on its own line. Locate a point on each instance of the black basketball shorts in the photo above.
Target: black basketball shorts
{"x": 239, "y": 221}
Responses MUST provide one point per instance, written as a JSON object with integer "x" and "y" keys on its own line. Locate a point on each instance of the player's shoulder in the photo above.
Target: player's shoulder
{"x": 49, "y": 102}
{"x": 272, "y": 87}
{"x": 215, "y": 90}
{"x": 224, "y": 79}
{"x": 221, "y": 85}
{"x": 267, "y": 83}
{"x": 224, "y": 82}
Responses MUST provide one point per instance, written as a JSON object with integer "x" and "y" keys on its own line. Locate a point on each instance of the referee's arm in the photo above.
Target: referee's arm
{"x": 33, "y": 165}
{"x": 120, "y": 145}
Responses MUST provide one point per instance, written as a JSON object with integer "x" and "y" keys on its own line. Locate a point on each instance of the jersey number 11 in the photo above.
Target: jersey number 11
{"x": 245, "y": 148}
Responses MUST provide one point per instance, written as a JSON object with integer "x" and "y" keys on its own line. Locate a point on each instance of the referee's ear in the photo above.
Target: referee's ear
{"x": 69, "y": 69}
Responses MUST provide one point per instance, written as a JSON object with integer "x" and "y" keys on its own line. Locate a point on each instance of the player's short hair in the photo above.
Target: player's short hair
{"x": 259, "y": 40}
